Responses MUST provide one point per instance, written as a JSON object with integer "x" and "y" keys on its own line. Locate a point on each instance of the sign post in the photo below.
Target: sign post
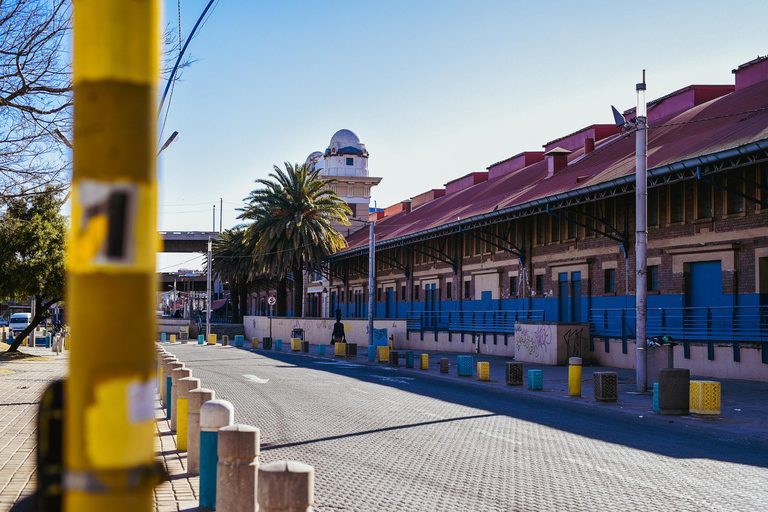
{"x": 271, "y": 301}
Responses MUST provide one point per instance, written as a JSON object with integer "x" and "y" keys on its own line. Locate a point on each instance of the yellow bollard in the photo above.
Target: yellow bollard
{"x": 704, "y": 397}
{"x": 173, "y": 338}
{"x": 109, "y": 421}
{"x": 211, "y": 339}
{"x": 574, "y": 376}
{"x": 484, "y": 371}
{"x": 66, "y": 341}
{"x": 425, "y": 361}
{"x": 186, "y": 385}
{"x": 383, "y": 353}
{"x": 254, "y": 342}
{"x": 295, "y": 344}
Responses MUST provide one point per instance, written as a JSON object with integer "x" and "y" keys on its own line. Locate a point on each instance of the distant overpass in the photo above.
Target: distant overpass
{"x": 187, "y": 241}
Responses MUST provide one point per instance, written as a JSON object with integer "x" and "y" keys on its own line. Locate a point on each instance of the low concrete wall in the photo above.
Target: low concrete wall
{"x": 750, "y": 367}
{"x": 171, "y": 326}
{"x": 458, "y": 344}
{"x": 318, "y": 330}
{"x": 551, "y": 342}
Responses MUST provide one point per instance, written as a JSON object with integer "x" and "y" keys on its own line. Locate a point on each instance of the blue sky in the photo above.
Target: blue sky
{"x": 434, "y": 89}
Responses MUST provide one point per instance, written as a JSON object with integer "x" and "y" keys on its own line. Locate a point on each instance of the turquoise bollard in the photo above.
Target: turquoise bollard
{"x": 201, "y": 339}
{"x": 278, "y": 344}
{"x": 239, "y": 340}
{"x": 162, "y": 337}
{"x": 371, "y": 353}
{"x": 214, "y": 414}
{"x": 321, "y": 349}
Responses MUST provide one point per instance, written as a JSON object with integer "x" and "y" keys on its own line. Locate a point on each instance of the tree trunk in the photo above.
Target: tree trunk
{"x": 282, "y": 297}
{"x": 234, "y": 296}
{"x": 298, "y": 292}
{"x": 39, "y": 317}
{"x": 243, "y": 300}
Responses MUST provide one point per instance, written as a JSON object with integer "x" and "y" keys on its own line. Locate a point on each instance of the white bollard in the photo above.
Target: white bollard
{"x": 197, "y": 397}
{"x": 214, "y": 415}
{"x": 286, "y": 486}
{"x": 176, "y": 374}
{"x": 236, "y": 472}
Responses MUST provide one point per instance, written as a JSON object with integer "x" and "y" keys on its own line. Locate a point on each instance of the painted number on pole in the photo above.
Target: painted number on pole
{"x": 272, "y": 301}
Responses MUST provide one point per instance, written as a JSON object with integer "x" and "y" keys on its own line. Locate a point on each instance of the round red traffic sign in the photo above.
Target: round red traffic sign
{"x": 272, "y": 301}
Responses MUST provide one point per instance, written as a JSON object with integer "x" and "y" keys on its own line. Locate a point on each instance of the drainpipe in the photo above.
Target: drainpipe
{"x": 641, "y": 234}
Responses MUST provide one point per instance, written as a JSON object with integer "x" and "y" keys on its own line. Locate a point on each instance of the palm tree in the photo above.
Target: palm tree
{"x": 292, "y": 228}
{"x": 235, "y": 265}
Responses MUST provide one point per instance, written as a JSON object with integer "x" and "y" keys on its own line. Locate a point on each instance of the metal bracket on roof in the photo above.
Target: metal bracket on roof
{"x": 393, "y": 261}
{"x": 730, "y": 190}
{"x": 351, "y": 266}
{"x": 612, "y": 233}
{"x": 512, "y": 248}
{"x": 437, "y": 254}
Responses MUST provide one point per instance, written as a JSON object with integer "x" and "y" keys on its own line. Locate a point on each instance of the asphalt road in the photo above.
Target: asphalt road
{"x": 392, "y": 439}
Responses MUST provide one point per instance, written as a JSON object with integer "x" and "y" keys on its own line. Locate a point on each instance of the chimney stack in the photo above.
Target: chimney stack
{"x": 557, "y": 160}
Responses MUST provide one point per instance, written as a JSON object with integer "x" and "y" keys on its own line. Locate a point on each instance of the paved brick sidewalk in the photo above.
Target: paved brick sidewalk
{"x": 181, "y": 492}
{"x": 21, "y": 385}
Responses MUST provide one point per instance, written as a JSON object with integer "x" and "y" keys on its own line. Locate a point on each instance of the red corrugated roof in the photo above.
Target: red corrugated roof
{"x": 703, "y": 129}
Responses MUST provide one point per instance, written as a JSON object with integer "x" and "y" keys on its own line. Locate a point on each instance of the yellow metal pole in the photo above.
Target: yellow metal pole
{"x": 108, "y": 452}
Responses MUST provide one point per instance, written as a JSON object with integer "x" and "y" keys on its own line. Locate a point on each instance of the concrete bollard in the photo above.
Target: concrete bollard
{"x": 162, "y": 337}
{"x": 409, "y": 357}
{"x": 239, "y": 340}
{"x": 201, "y": 339}
{"x": 484, "y": 371}
{"x": 254, "y": 342}
{"x": 286, "y": 486}
{"x": 444, "y": 365}
{"x": 225, "y": 340}
{"x": 371, "y": 353}
{"x": 674, "y": 391}
{"x": 279, "y": 345}
{"x": 383, "y": 354}
{"x": 173, "y": 338}
{"x": 321, "y": 349}
{"x": 513, "y": 374}
{"x": 305, "y": 347}
{"x": 186, "y": 385}
{"x": 169, "y": 385}
{"x": 214, "y": 414}
{"x": 163, "y": 372}
{"x": 211, "y": 339}
{"x": 178, "y": 373}
{"x": 340, "y": 349}
{"x": 237, "y": 469}
{"x": 67, "y": 341}
{"x": 424, "y": 362}
{"x": 197, "y": 397}
{"x": 574, "y": 376}
{"x": 295, "y": 344}
{"x": 464, "y": 366}
{"x": 536, "y": 380}
{"x": 394, "y": 358}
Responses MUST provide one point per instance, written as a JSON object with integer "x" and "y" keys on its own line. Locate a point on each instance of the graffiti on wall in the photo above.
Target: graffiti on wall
{"x": 534, "y": 339}
{"x": 380, "y": 338}
{"x": 575, "y": 341}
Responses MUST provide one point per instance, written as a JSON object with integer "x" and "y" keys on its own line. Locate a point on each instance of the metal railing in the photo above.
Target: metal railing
{"x": 476, "y": 322}
{"x": 721, "y": 323}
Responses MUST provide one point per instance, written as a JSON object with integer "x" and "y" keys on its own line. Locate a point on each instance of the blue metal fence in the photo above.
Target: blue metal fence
{"x": 475, "y": 322}
{"x": 721, "y": 323}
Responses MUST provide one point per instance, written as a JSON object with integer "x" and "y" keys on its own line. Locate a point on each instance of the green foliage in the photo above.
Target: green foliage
{"x": 32, "y": 242}
{"x": 293, "y": 220}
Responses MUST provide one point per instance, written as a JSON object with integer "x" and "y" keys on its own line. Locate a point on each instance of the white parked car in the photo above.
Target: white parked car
{"x": 19, "y": 322}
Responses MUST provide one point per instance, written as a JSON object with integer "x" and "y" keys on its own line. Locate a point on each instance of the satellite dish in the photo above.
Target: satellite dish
{"x": 618, "y": 118}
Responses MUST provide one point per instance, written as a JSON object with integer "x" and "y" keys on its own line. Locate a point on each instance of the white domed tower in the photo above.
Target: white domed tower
{"x": 346, "y": 160}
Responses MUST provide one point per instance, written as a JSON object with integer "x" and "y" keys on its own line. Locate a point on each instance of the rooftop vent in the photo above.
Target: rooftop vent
{"x": 557, "y": 160}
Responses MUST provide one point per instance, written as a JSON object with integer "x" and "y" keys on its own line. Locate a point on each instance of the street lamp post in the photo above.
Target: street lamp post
{"x": 208, "y": 308}
{"x": 371, "y": 279}
{"x": 641, "y": 235}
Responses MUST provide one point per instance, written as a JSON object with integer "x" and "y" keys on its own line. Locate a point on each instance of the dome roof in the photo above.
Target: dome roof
{"x": 344, "y": 138}
{"x": 313, "y": 157}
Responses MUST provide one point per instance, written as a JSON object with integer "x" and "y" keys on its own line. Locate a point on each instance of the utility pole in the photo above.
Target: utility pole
{"x": 109, "y": 424}
{"x": 641, "y": 235}
{"x": 208, "y": 306}
{"x": 214, "y": 219}
{"x": 221, "y": 212}
{"x": 371, "y": 279}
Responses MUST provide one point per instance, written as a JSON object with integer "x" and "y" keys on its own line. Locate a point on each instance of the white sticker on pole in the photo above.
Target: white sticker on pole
{"x": 141, "y": 401}
{"x": 104, "y": 223}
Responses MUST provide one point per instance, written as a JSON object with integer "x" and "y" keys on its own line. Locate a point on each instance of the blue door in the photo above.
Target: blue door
{"x": 705, "y": 291}
{"x": 562, "y": 301}
{"x": 575, "y": 296}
